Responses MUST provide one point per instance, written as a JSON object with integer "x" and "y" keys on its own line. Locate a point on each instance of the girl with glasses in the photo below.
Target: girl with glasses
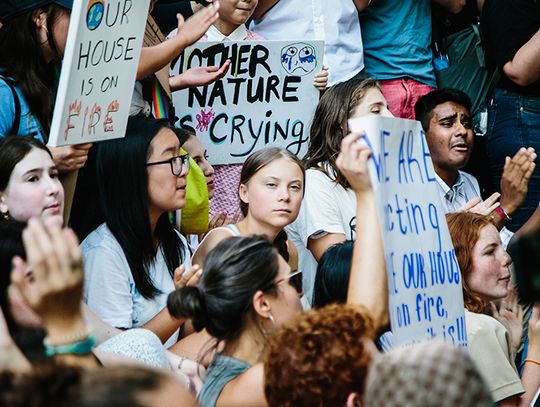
{"x": 134, "y": 257}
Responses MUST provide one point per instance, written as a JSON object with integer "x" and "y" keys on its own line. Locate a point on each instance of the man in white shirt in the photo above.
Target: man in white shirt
{"x": 335, "y": 22}
{"x": 446, "y": 119}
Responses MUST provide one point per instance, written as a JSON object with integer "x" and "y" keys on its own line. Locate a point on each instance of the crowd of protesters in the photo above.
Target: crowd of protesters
{"x": 279, "y": 297}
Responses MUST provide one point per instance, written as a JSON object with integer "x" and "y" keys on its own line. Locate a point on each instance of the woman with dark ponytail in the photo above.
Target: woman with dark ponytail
{"x": 271, "y": 191}
{"x": 246, "y": 291}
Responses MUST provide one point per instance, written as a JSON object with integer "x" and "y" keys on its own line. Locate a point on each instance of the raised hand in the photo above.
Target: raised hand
{"x": 352, "y": 161}
{"x": 54, "y": 287}
{"x": 510, "y": 314}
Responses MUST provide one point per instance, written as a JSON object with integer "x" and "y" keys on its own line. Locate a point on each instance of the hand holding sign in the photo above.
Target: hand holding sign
{"x": 70, "y": 158}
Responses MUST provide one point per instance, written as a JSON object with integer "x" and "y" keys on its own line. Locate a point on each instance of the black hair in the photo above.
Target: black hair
{"x": 29, "y": 340}
{"x": 234, "y": 271}
{"x": 23, "y": 61}
{"x": 12, "y": 150}
{"x": 332, "y": 277}
{"x": 123, "y": 195}
{"x": 423, "y": 109}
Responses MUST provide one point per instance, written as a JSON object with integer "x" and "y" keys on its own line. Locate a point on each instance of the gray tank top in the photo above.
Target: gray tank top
{"x": 221, "y": 371}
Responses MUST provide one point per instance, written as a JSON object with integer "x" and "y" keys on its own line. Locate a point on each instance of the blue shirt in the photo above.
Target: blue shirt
{"x": 397, "y": 40}
{"x": 28, "y": 124}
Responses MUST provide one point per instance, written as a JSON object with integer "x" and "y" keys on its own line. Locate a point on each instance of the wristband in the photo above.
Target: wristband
{"x": 82, "y": 347}
{"x": 532, "y": 361}
{"x": 502, "y": 213}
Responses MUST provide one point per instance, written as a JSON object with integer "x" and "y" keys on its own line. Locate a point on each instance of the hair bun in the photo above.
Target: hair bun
{"x": 188, "y": 302}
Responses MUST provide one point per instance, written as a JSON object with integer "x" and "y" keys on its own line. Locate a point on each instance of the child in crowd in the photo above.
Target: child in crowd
{"x": 231, "y": 26}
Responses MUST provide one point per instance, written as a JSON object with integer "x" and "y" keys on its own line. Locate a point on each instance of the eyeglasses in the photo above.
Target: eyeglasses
{"x": 295, "y": 279}
{"x": 176, "y": 163}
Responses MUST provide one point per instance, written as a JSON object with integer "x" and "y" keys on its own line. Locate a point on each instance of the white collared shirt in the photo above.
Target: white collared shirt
{"x": 240, "y": 34}
{"x": 334, "y": 21}
{"x": 464, "y": 189}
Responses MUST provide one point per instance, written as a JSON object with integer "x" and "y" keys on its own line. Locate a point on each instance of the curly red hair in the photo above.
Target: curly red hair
{"x": 464, "y": 230}
{"x": 320, "y": 358}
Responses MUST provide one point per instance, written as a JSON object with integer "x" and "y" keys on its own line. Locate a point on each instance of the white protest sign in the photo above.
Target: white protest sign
{"x": 266, "y": 99}
{"x": 424, "y": 281}
{"x": 98, "y": 73}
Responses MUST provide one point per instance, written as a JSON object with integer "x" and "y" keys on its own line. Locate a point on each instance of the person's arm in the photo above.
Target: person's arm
{"x": 198, "y": 76}
{"x": 319, "y": 246}
{"x": 54, "y": 290}
{"x": 515, "y": 182}
{"x": 163, "y": 324}
{"x": 11, "y": 357}
{"x": 210, "y": 241}
{"x": 524, "y": 69}
{"x": 158, "y": 56}
{"x": 262, "y": 7}
{"x": 368, "y": 282}
{"x": 453, "y": 6}
{"x": 531, "y": 372}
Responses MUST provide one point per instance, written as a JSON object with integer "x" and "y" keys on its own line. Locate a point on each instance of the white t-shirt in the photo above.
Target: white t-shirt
{"x": 109, "y": 287}
{"x": 335, "y": 22}
{"x": 327, "y": 208}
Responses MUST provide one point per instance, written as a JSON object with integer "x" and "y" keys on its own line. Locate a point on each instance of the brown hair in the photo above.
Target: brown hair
{"x": 256, "y": 162}
{"x": 329, "y": 125}
{"x": 319, "y": 359}
{"x": 464, "y": 230}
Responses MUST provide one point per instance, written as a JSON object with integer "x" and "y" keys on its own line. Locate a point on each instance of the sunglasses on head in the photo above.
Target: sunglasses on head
{"x": 295, "y": 280}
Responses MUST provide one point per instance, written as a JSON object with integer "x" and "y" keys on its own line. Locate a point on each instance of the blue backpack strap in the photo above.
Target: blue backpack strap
{"x": 17, "y": 119}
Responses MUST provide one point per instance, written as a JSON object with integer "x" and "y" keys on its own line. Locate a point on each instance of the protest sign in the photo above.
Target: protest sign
{"x": 98, "y": 72}
{"x": 266, "y": 99}
{"x": 424, "y": 281}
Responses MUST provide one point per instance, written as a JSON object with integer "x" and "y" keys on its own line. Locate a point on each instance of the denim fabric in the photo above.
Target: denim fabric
{"x": 514, "y": 122}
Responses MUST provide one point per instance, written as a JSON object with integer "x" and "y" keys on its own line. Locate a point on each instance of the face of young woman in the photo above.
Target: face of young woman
{"x": 34, "y": 189}
{"x": 166, "y": 191}
{"x": 373, "y": 104}
{"x": 196, "y": 151}
{"x": 274, "y": 193}
{"x": 490, "y": 273}
{"x": 286, "y": 304}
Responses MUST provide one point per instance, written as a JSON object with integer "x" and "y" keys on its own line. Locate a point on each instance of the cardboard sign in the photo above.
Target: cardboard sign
{"x": 98, "y": 73}
{"x": 424, "y": 281}
{"x": 266, "y": 99}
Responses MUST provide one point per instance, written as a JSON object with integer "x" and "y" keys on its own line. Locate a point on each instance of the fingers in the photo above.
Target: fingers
{"x": 217, "y": 221}
{"x": 183, "y": 277}
{"x": 224, "y": 69}
{"x": 180, "y": 19}
{"x": 196, "y": 272}
{"x": 471, "y": 204}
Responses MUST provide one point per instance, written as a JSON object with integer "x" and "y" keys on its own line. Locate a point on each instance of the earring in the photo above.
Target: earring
{"x": 5, "y": 215}
{"x": 268, "y": 333}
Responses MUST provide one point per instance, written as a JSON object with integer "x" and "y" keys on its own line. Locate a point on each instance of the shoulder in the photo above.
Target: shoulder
{"x": 210, "y": 241}
{"x": 101, "y": 236}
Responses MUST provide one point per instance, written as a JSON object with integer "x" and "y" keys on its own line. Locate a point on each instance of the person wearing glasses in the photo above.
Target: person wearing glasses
{"x": 247, "y": 294}
{"x": 134, "y": 259}
{"x": 247, "y": 291}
